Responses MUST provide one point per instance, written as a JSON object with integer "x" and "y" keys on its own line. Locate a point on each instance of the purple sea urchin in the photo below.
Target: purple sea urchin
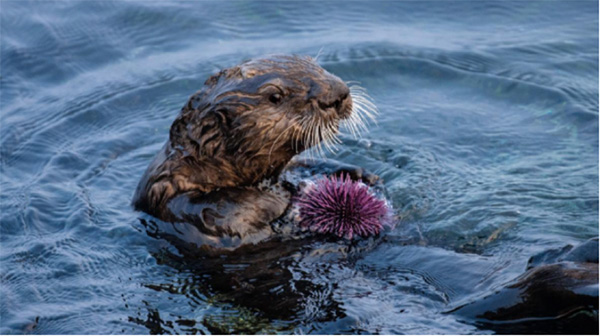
{"x": 344, "y": 207}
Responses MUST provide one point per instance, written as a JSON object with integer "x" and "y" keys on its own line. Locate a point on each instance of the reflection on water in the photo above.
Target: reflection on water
{"x": 487, "y": 142}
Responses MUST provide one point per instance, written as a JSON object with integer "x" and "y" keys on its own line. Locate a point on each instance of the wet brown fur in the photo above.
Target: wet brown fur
{"x": 235, "y": 133}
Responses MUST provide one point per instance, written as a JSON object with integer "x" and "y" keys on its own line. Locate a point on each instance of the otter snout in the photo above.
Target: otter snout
{"x": 337, "y": 97}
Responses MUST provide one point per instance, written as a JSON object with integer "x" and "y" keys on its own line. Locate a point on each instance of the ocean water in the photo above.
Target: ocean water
{"x": 487, "y": 142}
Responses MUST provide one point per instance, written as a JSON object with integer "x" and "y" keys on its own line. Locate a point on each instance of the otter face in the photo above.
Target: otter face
{"x": 257, "y": 115}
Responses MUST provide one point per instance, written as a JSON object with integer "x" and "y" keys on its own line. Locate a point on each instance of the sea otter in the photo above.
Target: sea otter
{"x": 241, "y": 129}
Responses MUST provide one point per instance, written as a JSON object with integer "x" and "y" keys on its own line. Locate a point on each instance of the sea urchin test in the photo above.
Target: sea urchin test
{"x": 342, "y": 207}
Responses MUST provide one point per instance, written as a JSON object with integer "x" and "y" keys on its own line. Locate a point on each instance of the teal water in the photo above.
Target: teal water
{"x": 487, "y": 142}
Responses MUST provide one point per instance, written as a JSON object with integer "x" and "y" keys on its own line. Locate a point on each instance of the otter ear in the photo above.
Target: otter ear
{"x": 226, "y": 73}
{"x": 214, "y": 79}
{"x": 210, "y": 132}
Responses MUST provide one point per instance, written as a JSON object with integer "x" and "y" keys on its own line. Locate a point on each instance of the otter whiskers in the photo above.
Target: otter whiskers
{"x": 364, "y": 110}
{"x": 319, "y": 134}
{"x": 292, "y": 124}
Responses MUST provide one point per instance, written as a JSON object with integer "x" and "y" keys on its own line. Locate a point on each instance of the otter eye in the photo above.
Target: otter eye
{"x": 275, "y": 98}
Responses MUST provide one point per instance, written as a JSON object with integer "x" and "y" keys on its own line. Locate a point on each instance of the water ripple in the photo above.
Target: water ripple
{"x": 487, "y": 145}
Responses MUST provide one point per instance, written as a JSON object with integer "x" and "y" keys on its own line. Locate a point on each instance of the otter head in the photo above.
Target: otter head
{"x": 251, "y": 119}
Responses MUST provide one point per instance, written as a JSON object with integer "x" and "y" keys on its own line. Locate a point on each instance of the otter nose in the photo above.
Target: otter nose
{"x": 336, "y": 96}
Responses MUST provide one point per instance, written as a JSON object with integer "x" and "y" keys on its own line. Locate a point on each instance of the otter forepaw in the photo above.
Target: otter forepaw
{"x": 358, "y": 174}
{"x": 336, "y": 168}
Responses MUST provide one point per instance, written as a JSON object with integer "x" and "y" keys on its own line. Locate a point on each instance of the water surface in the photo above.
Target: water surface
{"x": 487, "y": 142}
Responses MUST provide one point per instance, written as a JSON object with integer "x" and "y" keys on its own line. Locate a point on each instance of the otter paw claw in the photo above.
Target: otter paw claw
{"x": 359, "y": 174}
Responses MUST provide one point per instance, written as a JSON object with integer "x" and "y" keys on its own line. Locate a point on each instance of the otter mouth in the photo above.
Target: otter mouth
{"x": 341, "y": 106}
{"x": 351, "y": 112}
{"x": 362, "y": 112}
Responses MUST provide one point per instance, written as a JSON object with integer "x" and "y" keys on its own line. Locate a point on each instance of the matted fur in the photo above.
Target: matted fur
{"x": 245, "y": 125}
